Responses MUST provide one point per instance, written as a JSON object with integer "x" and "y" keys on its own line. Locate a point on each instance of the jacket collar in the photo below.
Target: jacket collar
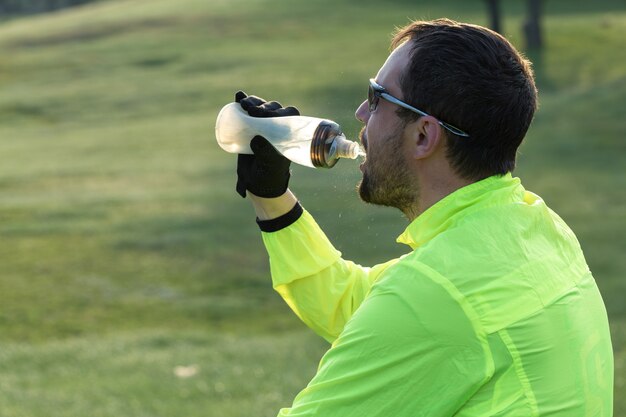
{"x": 439, "y": 217}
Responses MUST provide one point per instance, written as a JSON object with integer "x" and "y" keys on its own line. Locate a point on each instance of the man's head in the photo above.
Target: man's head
{"x": 460, "y": 75}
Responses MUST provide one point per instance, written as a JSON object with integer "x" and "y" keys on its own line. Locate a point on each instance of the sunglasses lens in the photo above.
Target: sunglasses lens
{"x": 372, "y": 99}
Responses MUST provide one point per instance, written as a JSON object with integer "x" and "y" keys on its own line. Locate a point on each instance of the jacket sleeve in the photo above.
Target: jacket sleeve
{"x": 410, "y": 350}
{"x": 322, "y": 289}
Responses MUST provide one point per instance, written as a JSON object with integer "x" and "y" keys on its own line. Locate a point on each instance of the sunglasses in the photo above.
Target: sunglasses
{"x": 377, "y": 91}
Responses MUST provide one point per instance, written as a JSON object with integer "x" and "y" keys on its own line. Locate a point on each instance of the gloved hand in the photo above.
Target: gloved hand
{"x": 266, "y": 173}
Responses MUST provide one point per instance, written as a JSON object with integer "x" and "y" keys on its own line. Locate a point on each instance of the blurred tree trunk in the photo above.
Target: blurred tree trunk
{"x": 532, "y": 25}
{"x": 37, "y": 6}
{"x": 493, "y": 6}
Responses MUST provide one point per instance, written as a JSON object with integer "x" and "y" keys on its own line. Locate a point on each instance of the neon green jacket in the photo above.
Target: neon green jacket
{"x": 493, "y": 313}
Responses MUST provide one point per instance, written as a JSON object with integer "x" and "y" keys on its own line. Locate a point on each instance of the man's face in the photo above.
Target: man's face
{"x": 387, "y": 177}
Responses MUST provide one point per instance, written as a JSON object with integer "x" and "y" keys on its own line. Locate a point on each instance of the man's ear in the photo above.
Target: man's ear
{"x": 427, "y": 137}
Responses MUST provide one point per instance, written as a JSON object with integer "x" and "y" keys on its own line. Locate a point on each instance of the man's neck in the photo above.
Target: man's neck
{"x": 431, "y": 192}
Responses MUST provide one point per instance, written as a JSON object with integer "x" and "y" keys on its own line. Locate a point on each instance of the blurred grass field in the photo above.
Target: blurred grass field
{"x": 125, "y": 251}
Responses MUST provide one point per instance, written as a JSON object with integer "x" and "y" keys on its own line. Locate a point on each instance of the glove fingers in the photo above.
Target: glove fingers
{"x": 240, "y": 95}
{"x": 258, "y": 111}
{"x": 288, "y": 111}
{"x": 265, "y": 110}
{"x": 251, "y": 102}
{"x": 271, "y": 106}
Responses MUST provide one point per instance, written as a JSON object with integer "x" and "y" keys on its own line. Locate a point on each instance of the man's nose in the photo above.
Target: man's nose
{"x": 362, "y": 114}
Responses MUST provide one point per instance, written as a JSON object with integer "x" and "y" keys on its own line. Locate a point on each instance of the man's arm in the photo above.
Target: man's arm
{"x": 272, "y": 208}
{"x": 308, "y": 272}
{"x": 323, "y": 289}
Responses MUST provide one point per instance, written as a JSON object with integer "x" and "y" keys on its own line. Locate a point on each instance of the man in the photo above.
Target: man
{"x": 494, "y": 312}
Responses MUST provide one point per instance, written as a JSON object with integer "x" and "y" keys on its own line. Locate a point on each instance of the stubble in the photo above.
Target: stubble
{"x": 387, "y": 179}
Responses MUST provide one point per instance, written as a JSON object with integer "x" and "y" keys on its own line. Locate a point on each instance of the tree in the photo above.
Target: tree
{"x": 36, "y": 6}
{"x": 493, "y": 6}
{"x": 532, "y": 25}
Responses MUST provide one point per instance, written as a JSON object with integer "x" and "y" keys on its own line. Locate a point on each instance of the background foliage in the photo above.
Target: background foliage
{"x": 126, "y": 253}
{"x": 36, "y": 6}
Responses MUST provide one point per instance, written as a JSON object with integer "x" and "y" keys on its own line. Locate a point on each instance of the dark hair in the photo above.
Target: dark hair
{"x": 473, "y": 78}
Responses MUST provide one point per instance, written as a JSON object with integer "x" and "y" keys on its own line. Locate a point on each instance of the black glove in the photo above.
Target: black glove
{"x": 266, "y": 173}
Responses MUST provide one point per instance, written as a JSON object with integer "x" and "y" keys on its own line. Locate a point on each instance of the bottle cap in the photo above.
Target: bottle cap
{"x": 322, "y": 154}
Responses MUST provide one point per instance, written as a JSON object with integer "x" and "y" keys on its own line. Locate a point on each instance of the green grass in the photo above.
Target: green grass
{"x": 125, "y": 250}
{"x": 135, "y": 374}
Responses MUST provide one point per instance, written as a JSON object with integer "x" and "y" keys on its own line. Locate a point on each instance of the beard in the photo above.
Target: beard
{"x": 387, "y": 178}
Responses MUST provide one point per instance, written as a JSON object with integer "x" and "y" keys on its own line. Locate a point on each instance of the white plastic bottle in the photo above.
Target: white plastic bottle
{"x": 308, "y": 141}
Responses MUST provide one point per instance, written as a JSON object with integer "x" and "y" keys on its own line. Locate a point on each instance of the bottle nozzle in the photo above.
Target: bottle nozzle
{"x": 347, "y": 148}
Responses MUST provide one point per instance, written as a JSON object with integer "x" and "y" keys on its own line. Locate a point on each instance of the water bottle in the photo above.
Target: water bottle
{"x": 308, "y": 141}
